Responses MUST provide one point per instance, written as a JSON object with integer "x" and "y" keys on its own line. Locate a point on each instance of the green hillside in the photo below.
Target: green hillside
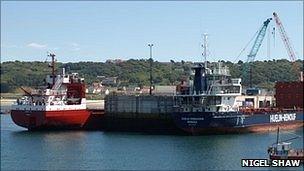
{"x": 136, "y": 72}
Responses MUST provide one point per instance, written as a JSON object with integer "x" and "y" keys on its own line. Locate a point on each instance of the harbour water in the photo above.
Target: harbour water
{"x": 97, "y": 150}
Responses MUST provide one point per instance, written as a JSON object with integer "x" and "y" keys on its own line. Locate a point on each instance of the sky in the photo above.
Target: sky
{"x": 100, "y": 30}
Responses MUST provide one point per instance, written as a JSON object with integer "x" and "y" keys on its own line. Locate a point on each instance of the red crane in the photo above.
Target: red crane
{"x": 287, "y": 44}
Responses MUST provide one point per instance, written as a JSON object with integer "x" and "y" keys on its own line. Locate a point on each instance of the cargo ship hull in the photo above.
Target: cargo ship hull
{"x": 234, "y": 122}
{"x": 59, "y": 119}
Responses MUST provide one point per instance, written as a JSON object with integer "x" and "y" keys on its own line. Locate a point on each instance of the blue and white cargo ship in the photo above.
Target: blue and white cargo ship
{"x": 213, "y": 102}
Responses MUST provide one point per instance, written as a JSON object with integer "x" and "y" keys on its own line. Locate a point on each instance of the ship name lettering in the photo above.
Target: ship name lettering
{"x": 192, "y": 122}
{"x": 283, "y": 117}
{"x": 192, "y": 119}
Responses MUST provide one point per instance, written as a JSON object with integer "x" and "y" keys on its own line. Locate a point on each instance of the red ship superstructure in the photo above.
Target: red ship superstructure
{"x": 61, "y": 104}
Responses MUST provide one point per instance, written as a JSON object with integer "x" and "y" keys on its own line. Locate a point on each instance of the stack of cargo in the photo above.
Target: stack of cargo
{"x": 139, "y": 113}
{"x": 289, "y": 95}
{"x": 165, "y": 90}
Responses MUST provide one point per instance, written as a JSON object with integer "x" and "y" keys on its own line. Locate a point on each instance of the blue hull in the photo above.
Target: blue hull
{"x": 208, "y": 122}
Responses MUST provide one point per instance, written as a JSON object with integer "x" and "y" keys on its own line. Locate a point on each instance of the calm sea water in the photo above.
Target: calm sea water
{"x": 83, "y": 150}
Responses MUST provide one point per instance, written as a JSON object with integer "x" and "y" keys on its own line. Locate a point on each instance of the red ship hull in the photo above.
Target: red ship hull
{"x": 38, "y": 120}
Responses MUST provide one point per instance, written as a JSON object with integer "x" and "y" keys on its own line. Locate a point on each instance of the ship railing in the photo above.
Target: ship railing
{"x": 229, "y": 113}
{"x": 291, "y": 109}
{"x": 47, "y": 92}
{"x": 221, "y": 89}
{"x": 50, "y": 92}
{"x": 236, "y": 81}
{"x": 251, "y": 110}
{"x": 37, "y": 92}
{"x": 26, "y": 102}
{"x": 224, "y": 92}
{"x": 221, "y": 71}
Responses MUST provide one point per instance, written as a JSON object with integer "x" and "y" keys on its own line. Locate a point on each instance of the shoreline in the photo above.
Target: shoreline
{"x": 6, "y": 102}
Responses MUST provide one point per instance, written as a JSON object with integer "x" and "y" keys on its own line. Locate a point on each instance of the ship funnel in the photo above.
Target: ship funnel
{"x": 199, "y": 79}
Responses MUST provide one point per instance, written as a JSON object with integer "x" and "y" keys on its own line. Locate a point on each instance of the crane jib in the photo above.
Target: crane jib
{"x": 254, "y": 50}
{"x": 258, "y": 41}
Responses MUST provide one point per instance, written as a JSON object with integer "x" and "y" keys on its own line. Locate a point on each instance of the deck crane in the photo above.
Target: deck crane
{"x": 287, "y": 44}
{"x": 254, "y": 50}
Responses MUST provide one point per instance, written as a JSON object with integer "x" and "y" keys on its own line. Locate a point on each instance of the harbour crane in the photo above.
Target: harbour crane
{"x": 254, "y": 50}
{"x": 288, "y": 45}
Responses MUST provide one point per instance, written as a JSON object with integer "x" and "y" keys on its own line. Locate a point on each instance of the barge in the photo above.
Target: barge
{"x": 140, "y": 113}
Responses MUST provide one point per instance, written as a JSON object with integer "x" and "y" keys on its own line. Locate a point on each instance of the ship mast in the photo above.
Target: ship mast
{"x": 205, "y": 36}
{"x": 278, "y": 134}
{"x": 53, "y": 66}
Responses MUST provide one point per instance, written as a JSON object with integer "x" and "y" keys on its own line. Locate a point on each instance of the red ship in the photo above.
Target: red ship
{"x": 61, "y": 104}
